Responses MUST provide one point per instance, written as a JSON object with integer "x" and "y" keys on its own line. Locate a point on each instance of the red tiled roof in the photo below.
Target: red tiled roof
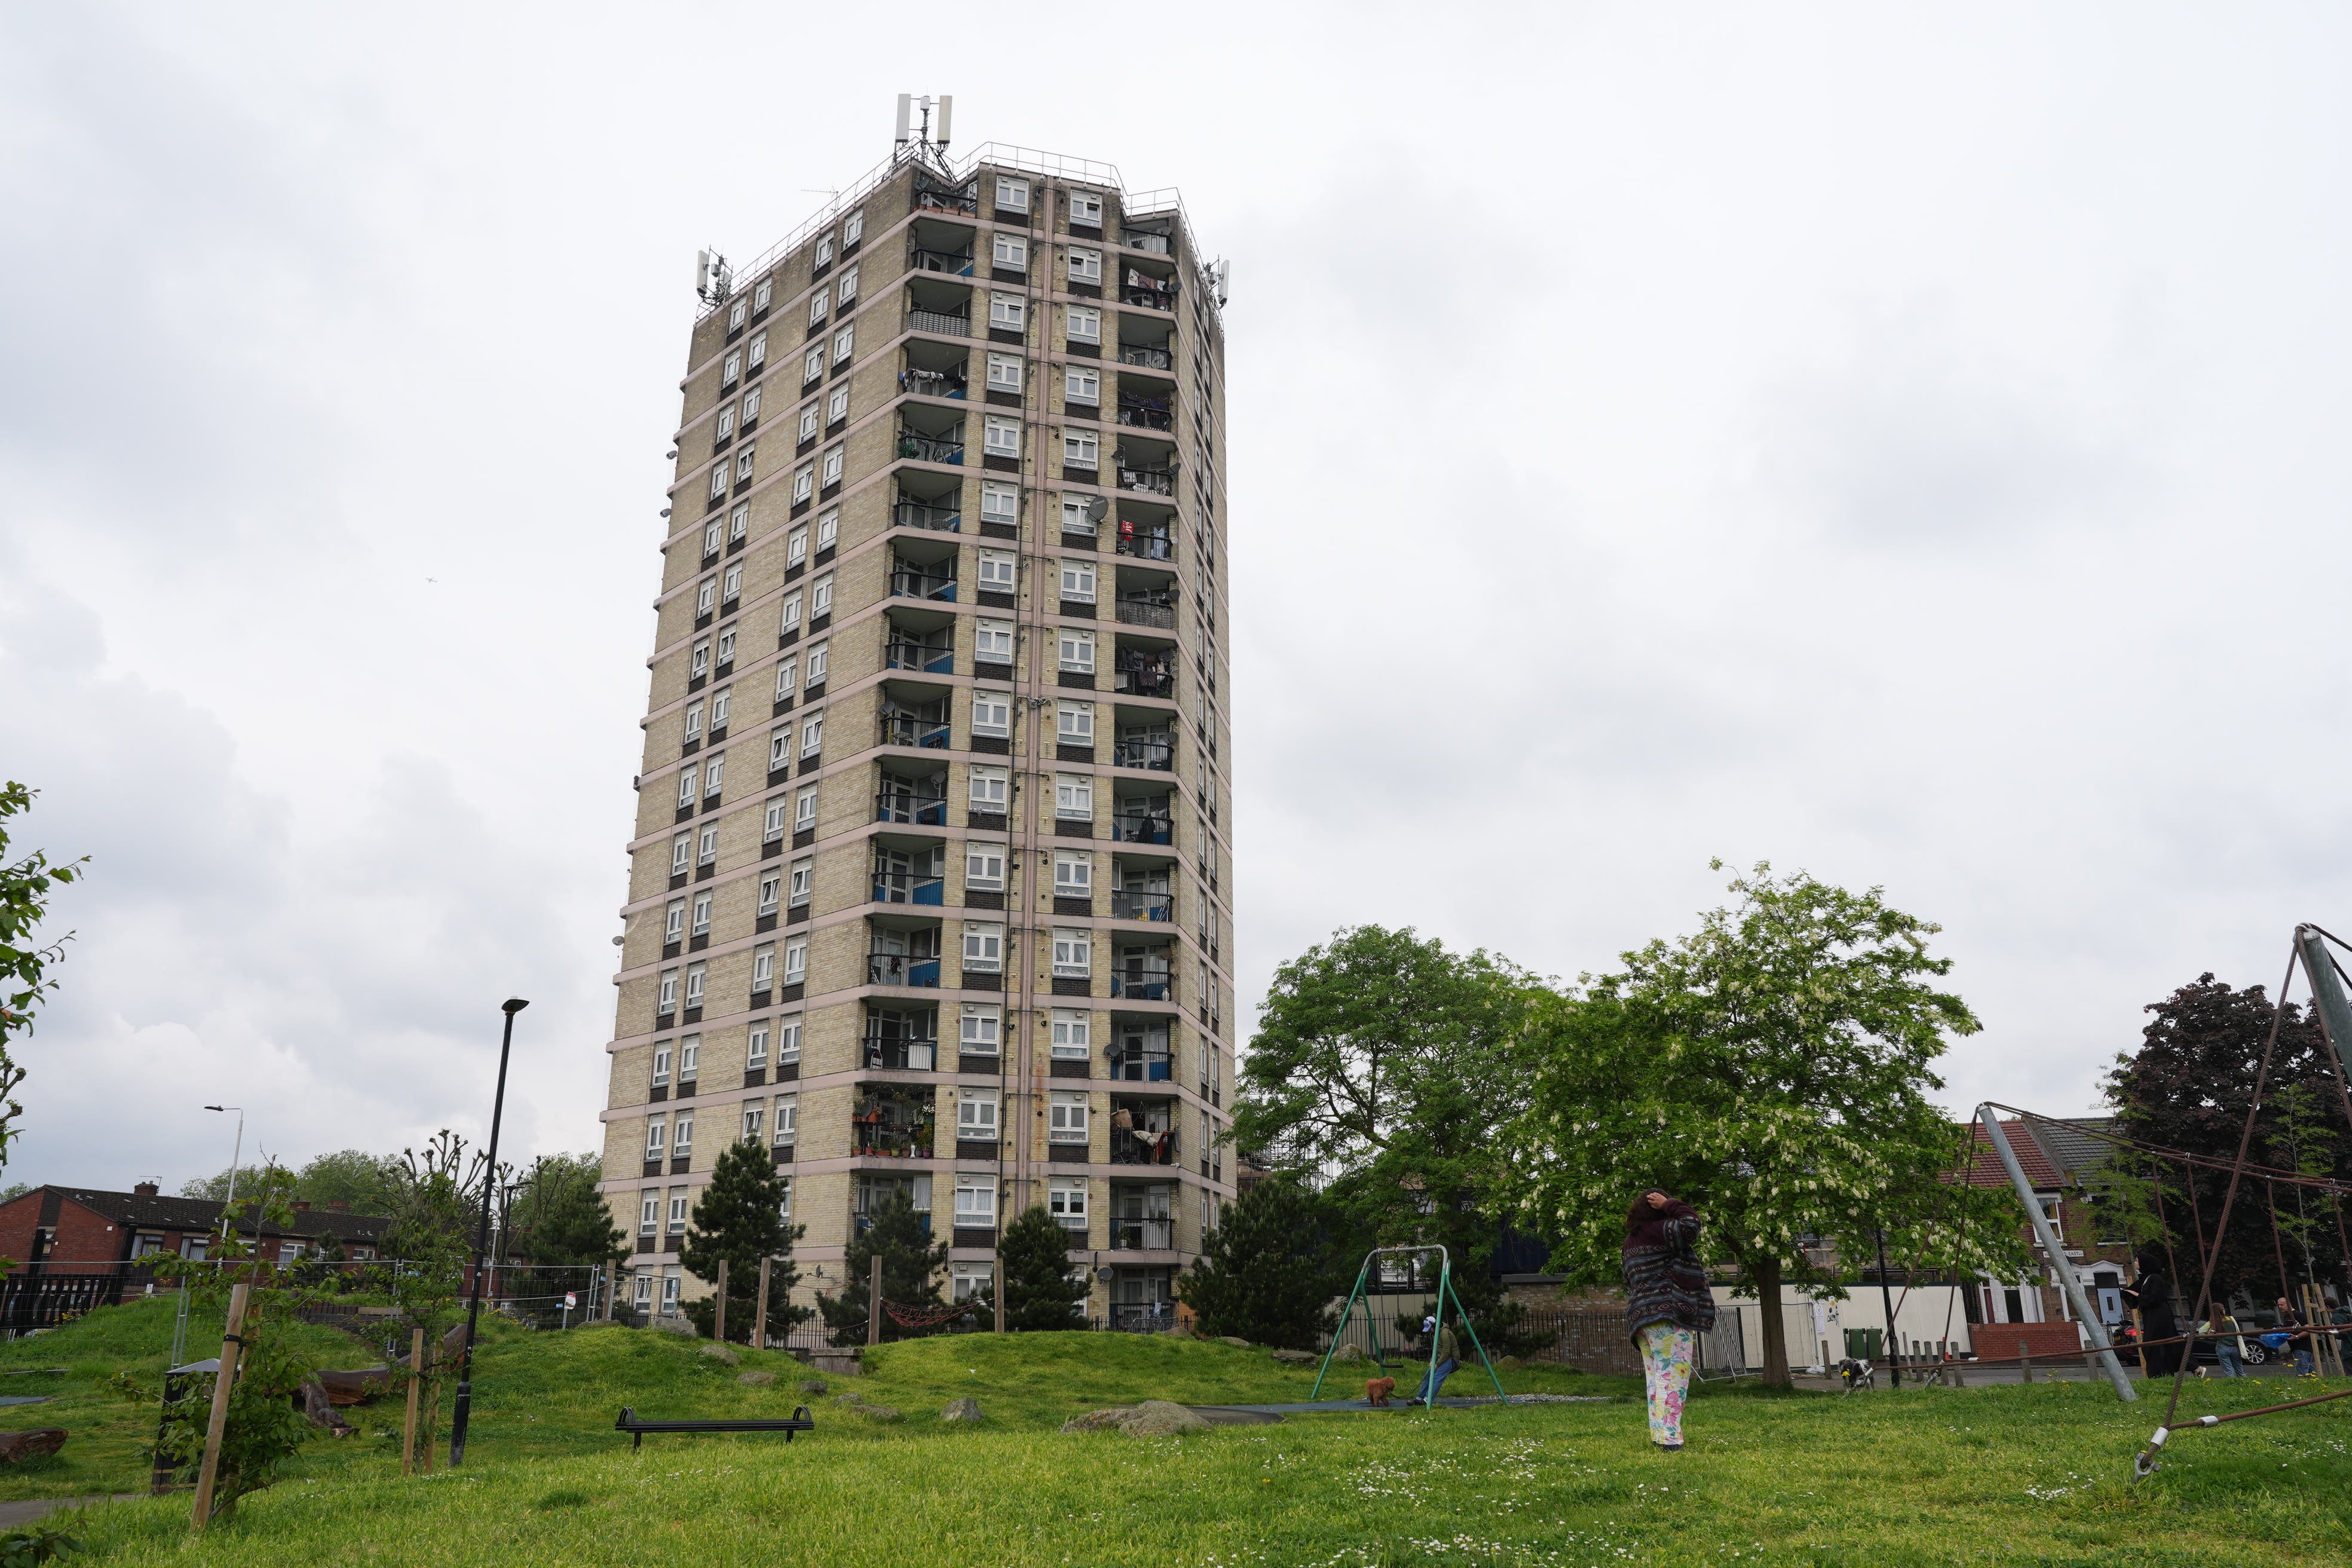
{"x": 1985, "y": 1167}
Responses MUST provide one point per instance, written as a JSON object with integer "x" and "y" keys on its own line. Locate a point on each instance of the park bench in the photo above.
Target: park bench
{"x": 637, "y": 1429}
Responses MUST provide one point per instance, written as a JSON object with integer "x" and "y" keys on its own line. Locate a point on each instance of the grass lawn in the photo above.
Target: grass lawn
{"x": 1928, "y": 1476}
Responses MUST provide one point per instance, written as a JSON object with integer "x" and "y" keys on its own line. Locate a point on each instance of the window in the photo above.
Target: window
{"x": 1075, "y": 515}
{"x": 786, "y": 1208}
{"x": 681, "y": 1141}
{"x": 1086, "y": 325}
{"x": 763, "y": 966}
{"x": 711, "y": 535}
{"x": 726, "y": 647}
{"x": 792, "y": 620}
{"x": 1065, "y": 1200}
{"x": 828, "y": 530}
{"x": 1078, "y": 582}
{"x": 823, "y": 251}
{"x": 842, "y": 343}
{"x": 702, "y": 914}
{"x": 677, "y": 1201}
{"x": 1007, "y": 312}
{"x": 787, "y": 673}
{"x": 726, "y": 422}
{"x": 694, "y": 720}
{"x": 674, "y": 921}
{"x": 821, "y": 591}
{"x": 1077, "y": 650}
{"x": 819, "y": 302}
{"x": 983, "y": 946}
{"x": 983, "y": 868}
{"x": 722, "y": 704}
{"x": 1086, "y": 265}
{"x": 759, "y": 354}
{"x": 743, "y": 463}
{"x": 734, "y": 370}
{"x": 998, "y": 502}
{"x": 1074, "y": 724}
{"x": 1074, "y": 874}
{"x": 837, "y": 406}
{"x": 751, "y": 407}
{"x": 656, "y": 1134}
{"x": 833, "y": 466}
{"x": 764, "y": 293}
{"x": 1012, "y": 195}
{"x": 717, "y": 480}
{"x": 989, "y": 787}
{"x": 788, "y": 1040}
{"x": 804, "y": 811}
{"x": 645, "y": 1286}
{"x": 804, "y": 880}
{"x": 755, "y": 1046}
{"x": 661, "y": 1064}
{"x": 714, "y": 774}
{"x": 983, "y": 1028}
{"x": 853, "y": 228}
{"x": 975, "y": 1196}
{"x": 735, "y": 318}
{"x": 997, "y": 572}
{"x": 846, "y": 289}
{"x": 804, "y": 482}
{"x": 1085, "y": 208}
{"x": 796, "y": 961}
{"x": 770, "y": 886}
{"x": 788, "y": 1117}
{"x": 705, "y": 598}
{"x": 813, "y": 733}
{"x": 967, "y": 1280}
{"x": 991, "y": 713}
{"x": 681, "y": 854}
{"x": 686, "y": 777}
{"x": 1065, "y": 1118}
{"x": 707, "y": 846}
{"x": 1011, "y": 250}
{"x": 1081, "y": 449}
{"x": 732, "y": 587}
{"x": 812, "y": 365}
{"x": 1074, "y": 797}
{"x": 752, "y": 1117}
{"x": 992, "y": 642}
{"x": 796, "y": 547}
{"x": 1073, "y": 953}
{"x": 774, "y": 828}
{"x": 740, "y": 523}
{"x": 976, "y": 1118}
{"x": 689, "y": 1059}
{"x": 809, "y": 420}
{"x": 649, "y": 1210}
{"x": 695, "y": 975}
{"x": 1004, "y": 373}
{"x": 1081, "y": 385}
{"x": 1004, "y": 437}
{"x": 1071, "y": 1033}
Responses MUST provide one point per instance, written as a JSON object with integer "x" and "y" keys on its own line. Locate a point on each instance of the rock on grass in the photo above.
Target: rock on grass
{"x": 756, "y": 1379}
{"x": 965, "y": 1409}
{"x": 1152, "y": 1418}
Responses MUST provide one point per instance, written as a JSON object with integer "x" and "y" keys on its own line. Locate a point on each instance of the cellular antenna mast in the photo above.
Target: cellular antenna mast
{"x": 918, "y": 133}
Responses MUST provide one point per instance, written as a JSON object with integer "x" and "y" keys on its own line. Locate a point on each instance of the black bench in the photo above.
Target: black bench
{"x": 637, "y": 1429}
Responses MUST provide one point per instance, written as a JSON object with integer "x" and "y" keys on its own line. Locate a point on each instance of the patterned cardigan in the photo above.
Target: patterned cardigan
{"x": 1664, "y": 1282}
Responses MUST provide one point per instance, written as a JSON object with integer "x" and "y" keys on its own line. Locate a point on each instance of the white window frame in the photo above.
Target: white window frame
{"x": 796, "y": 547}
{"x": 804, "y": 880}
{"x": 990, "y": 787}
{"x": 681, "y": 1136}
{"x": 1078, "y": 581}
{"x": 821, "y": 591}
{"x": 834, "y": 459}
{"x": 1066, "y": 1201}
{"x": 983, "y": 868}
{"x": 813, "y": 364}
{"x": 999, "y": 571}
{"x": 820, "y": 660}
{"x": 1081, "y": 449}
{"x": 1074, "y": 648}
{"x": 787, "y": 1120}
{"x": 1087, "y": 207}
{"x": 1007, "y": 312}
{"x": 1000, "y": 502}
{"x": 696, "y": 974}
{"x": 1000, "y": 435}
{"x": 1073, "y": 516}
{"x": 828, "y": 530}
{"x": 981, "y": 1032}
{"x": 845, "y": 343}
{"x": 819, "y": 303}
{"x": 975, "y": 1194}
{"x": 1074, "y": 874}
{"x": 796, "y": 961}
{"x": 991, "y": 713}
{"x": 837, "y": 404}
{"x": 1074, "y": 797}
{"x": 791, "y": 617}
{"x": 810, "y": 422}
{"x": 755, "y": 1044}
{"x": 674, "y": 921}
{"x": 689, "y": 1059}
{"x": 1085, "y": 265}
{"x": 657, "y": 1137}
{"x": 976, "y": 1120}
{"x": 1074, "y": 723}
{"x": 1010, "y": 250}
{"x": 1085, "y": 325}
{"x": 763, "y": 966}
{"x": 1082, "y": 383}
{"x": 1005, "y": 373}
{"x": 706, "y": 850}
{"x": 1071, "y": 1033}
{"x": 661, "y": 1064}
{"x": 1073, "y": 953}
{"x": 983, "y": 946}
{"x": 1066, "y": 1116}
{"x": 845, "y": 291}
{"x": 804, "y": 810}
{"x": 1012, "y": 194}
{"x": 788, "y": 1039}
{"x": 681, "y": 854}
{"x": 702, "y": 902}
{"x": 804, "y": 482}
{"x": 813, "y": 732}
{"x": 993, "y": 641}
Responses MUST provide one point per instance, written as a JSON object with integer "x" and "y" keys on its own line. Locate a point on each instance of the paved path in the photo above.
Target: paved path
{"x": 13, "y": 1514}
{"x": 1322, "y": 1406}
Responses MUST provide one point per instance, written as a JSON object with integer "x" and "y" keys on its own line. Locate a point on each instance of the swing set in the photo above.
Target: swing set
{"x": 1445, "y": 1293}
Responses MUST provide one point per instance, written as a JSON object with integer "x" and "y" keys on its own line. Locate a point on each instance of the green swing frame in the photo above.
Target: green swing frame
{"x": 1444, "y": 1293}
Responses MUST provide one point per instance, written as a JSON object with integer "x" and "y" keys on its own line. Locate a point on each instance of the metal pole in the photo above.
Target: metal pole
{"x": 1886, "y": 1305}
{"x": 464, "y": 1406}
{"x": 2048, "y": 1237}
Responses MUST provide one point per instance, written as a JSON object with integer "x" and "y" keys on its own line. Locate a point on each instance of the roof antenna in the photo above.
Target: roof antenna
{"x": 919, "y": 135}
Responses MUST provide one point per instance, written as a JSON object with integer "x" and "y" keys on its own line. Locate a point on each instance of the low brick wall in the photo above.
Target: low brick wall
{"x": 1998, "y": 1342}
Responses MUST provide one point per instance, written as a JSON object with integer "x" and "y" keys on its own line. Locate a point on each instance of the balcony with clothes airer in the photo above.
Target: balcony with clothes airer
{"x": 1145, "y": 285}
{"x": 1142, "y": 671}
{"x": 934, "y": 369}
{"x": 930, "y": 435}
{"x": 1140, "y": 891}
{"x": 1143, "y": 1131}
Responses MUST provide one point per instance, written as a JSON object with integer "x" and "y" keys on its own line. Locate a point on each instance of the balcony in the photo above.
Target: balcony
{"x": 1146, "y": 413}
{"x": 1140, "y": 978}
{"x": 892, "y": 1122}
{"x": 1140, "y": 675}
{"x": 924, "y": 654}
{"x": 1143, "y": 481}
{"x": 902, "y": 800}
{"x": 946, "y": 323}
{"x": 902, "y": 969}
{"x": 1142, "y": 904}
{"x": 913, "y": 728}
{"x": 1142, "y": 1234}
{"x": 1148, "y": 356}
{"x": 933, "y": 196}
{"x": 910, "y": 513}
{"x": 1152, "y": 607}
{"x": 915, "y": 446}
{"x": 953, "y": 263}
{"x": 1156, "y": 240}
{"x": 1141, "y": 1145}
{"x": 1146, "y": 542}
{"x": 899, "y": 886}
{"x": 1141, "y": 827}
{"x": 1150, "y": 749}
{"x": 1142, "y": 288}
{"x": 920, "y": 383}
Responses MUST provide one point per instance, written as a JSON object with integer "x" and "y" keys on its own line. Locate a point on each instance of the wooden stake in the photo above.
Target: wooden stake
{"x": 232, "y": 1349}
{"x": 416, "y": 1381}
{"x": 874, "y": 1304}
{"x": 719, "y": 1317}
{"x": 612, "y": 1288}
{"x": 760, "y": 1310}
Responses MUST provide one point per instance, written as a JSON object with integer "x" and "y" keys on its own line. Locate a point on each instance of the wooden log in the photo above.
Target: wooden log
{"x": 759, "y": 1311}
{"x": 719, "y": 1312}
{"x": 415, "y": 1382}
{"x": 16, "y": 1447}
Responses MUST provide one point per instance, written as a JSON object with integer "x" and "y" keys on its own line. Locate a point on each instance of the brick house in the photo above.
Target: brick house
{"x": 83, "y": 1231}
{"x": 2057, "y": 1158}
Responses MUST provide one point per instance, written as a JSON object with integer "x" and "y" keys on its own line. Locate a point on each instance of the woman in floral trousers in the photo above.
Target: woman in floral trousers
{"x": 1667, "y": 1305}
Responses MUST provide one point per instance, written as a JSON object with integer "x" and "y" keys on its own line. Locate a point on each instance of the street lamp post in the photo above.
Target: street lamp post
{"x": 464, "y": 1406}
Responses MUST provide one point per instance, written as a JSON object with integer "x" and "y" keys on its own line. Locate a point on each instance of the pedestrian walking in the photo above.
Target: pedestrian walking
{"x": 2305, "y": 1364}
{"x": 1667, "y": 1305}
{"x": 2152, "y": 1295}
{"x": 2229, "y": 1350}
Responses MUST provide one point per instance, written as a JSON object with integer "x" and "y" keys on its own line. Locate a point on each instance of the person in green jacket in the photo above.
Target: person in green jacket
{"x": 1449, "y": 1355}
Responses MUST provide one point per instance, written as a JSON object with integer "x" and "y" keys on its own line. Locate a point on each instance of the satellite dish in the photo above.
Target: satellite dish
{"x": 1104, "y": 1275}
{"x": 1098, "y": 508}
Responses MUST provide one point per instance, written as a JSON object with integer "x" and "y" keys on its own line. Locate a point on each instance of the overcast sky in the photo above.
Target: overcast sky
{"x": 1906, "y": 446}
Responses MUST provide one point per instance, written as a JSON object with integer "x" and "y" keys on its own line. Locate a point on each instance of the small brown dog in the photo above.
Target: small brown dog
{"x": 1377, "y": 1391}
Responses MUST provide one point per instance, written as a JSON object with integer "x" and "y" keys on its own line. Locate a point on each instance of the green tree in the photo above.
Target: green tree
{"x": 740, "y": 1219}
{"x": 25, "y": 964}
{"x": 1382, "y": 1064}
{"x": 1269, "y": 1270}
{"x": 1033, "y": 1259}
{"x": 899, "y": 1234}
{"x": 2302, "y": 1142}
{"x": 1773, "y": 1069}
{"x": 426, "y": 1247}
{"x": 352, "y": 1176}
{"x": 576, "y": 1230}
{"x": 552, "y": 1183}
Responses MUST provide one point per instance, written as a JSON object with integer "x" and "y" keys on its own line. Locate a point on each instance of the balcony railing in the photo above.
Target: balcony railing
{"x": 1141, "y": 1065}
{"x": 946, "y": 323}
{"x": 901, "y": 969}
{"x": 1138, "y": 829}
{"x": 1145, "y": 239}
{"x": 902, "y": 1056}
{"x": 933, "y": 382}
{"x": 899, "y": 654}
{"x": 922, "y": 810}
{"x": 1142, "y": 288}
{"x": 1147, "y": 680}
{"x": 908, "y": 887}
{"x": 911, "y": 730}
{"x": 1146, "y": 414}
{"x": 925, "y": 449}
{"x": 1159, "y": 755}
{"x": 1147, "y": 356}
{"x": 1141, "y": 979}
{"x": 1142, "y": 1146}
{"x": 1142, "y": 1234}
{"x": 955, "y": 263}
{"x": 1147, "y": 613}
{"x": 1142, "y": 906}
{"x": 947, "y": 199}
{"x": 1144, "y": 481}
{"x": 1152, "y": 545}
{"x": 923, "y": 514}
{"x": 906, "y": 582}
